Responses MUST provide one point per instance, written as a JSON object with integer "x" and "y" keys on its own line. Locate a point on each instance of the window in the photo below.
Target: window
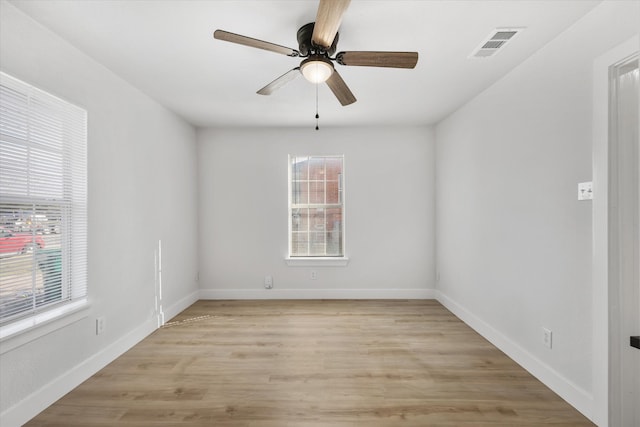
{"x": 43, "y": 202}
{"x": 316, "y": 206}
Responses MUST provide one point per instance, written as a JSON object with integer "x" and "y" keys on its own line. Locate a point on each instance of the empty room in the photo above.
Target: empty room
{"x": 319, "y": 213}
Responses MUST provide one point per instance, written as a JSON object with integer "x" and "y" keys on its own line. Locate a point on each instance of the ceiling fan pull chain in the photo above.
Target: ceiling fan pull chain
{"x": 317, "y": 115}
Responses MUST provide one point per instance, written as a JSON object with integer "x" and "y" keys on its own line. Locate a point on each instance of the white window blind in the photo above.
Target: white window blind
{"x": 316, "y": 206}
{"x": 43, "y": 201}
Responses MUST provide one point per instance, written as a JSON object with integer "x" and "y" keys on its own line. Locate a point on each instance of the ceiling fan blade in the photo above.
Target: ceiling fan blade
{"x": 248, "y": 41}
{"x": 340, "y": 89}
{"x": 378, "y": 59}
{"x": 328, "y": 21}
{"x": 280, "y": 81}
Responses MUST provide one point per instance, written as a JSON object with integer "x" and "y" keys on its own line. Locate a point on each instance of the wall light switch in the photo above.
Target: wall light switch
{"x": 585, "y": 191}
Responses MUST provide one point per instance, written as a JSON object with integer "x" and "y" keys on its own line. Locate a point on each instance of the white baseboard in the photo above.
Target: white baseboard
{"x": 181, "y": 305}
{"x": 574, "y": 395}
{"x": 243, "y": 294}
{"x": 31, "y": 406}
{"x": 28, "y": 408}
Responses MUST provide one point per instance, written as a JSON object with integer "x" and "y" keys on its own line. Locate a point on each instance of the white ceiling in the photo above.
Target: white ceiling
{"x": 166, "y": 49}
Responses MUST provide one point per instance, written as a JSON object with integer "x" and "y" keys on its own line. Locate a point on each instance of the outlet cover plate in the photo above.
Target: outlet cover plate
{"x": 100, "y": 324}
{"x": 268, "y": 282}
{"x": 547, "y": 338}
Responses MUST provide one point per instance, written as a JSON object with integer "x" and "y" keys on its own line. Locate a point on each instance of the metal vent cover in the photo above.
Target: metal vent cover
{"x": 504, "y": 35}
{"x": 493, "y": 44}
{"x": 495, "y": 41}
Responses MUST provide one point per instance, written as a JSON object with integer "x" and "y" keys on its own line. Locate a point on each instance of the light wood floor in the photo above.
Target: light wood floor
{"x": 312, "y": 363}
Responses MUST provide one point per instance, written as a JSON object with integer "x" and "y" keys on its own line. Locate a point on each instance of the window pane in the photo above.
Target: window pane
{"x": 30, "y": 236}
{"x": 316, "y": 168}
{"x": 316, "y": 243}
{"x": 299, "y": 219}
{"x": 334, "y": 168}
{"x": 316, "y": 192}
{"x": 299, "y": 192}
{"x": 299, "y": 244}
{"x": 333, "y": 192}
{"x": 316, "y": 219}
{"x": 299, "y": 168}
{"x": 334, "y": 231}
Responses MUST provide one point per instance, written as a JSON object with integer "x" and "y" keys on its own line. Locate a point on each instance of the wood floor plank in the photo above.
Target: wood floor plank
{"x": 312, "y": 363}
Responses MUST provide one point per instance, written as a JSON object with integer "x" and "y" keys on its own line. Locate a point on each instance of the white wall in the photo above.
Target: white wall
{"x": 389, "y": 193}
{"x": 142, "y": 188}
{"x": 514, "y": 244}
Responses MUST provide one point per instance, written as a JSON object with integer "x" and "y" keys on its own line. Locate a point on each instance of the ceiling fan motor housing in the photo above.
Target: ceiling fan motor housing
{"x": 306, "y": 47}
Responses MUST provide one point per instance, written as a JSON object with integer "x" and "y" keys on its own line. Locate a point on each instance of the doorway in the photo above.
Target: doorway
{"x": 616, "y": 236}
{"x": 624, "y": 238}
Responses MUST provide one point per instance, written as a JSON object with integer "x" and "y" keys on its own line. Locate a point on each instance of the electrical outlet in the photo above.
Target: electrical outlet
{"x": 268, "y": 282}
{"x": 547, "y": 337}
{"x": 100, "y": 325}
{"x": 314, "y": 275}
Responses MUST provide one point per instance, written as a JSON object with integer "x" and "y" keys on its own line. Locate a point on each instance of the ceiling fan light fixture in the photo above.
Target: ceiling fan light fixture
{"x": 316, "y": 69}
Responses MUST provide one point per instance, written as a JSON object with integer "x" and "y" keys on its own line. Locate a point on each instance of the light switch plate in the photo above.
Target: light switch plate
{"x": 585, "y": 191}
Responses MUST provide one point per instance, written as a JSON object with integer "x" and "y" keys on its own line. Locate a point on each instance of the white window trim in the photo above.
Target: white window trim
{"x": 21, "y": 331}
{"x": 334, "y": 261}
{"x": 31, "y": 328}
{"x": 329, "y": 261}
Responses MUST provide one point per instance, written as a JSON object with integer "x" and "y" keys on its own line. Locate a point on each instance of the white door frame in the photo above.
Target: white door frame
{"x": 600, "y": 269}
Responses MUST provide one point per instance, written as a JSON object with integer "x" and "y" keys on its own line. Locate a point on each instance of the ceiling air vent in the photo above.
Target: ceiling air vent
{"x": 495, "y": 42}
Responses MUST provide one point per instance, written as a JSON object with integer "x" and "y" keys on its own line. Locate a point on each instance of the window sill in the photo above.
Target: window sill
{"x": 317, "y": 261}
{"x": 26, "y": 330}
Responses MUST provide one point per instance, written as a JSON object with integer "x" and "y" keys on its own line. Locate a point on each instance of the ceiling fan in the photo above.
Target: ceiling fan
{"x": 317, "y": 41}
